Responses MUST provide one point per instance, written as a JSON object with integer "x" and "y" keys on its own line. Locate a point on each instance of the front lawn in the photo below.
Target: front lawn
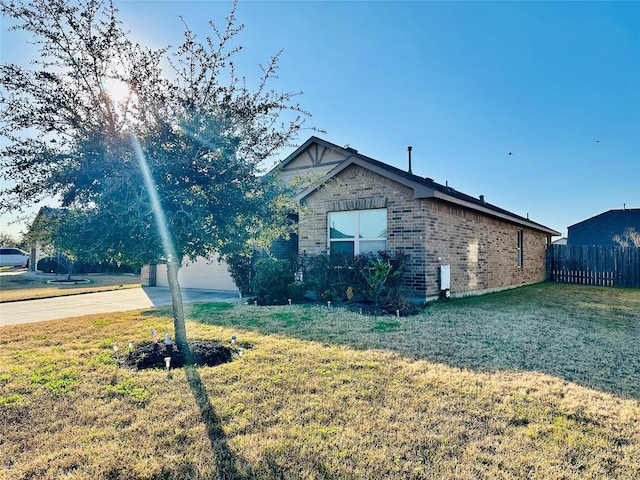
{"x": 453, "y": 393}
{"x": 25, "y": 285}
{"x": 587, "y": 335}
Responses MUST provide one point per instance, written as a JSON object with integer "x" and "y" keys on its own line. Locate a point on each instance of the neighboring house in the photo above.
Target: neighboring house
{"x": 355, "y": 204}
{"x": 361, "y": 205}
{"x": 601, "y": 229}
{"x": 37, "y": 250}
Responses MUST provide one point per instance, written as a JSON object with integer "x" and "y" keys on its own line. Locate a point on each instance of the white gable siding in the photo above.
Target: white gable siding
{"x": 312, "y": 164}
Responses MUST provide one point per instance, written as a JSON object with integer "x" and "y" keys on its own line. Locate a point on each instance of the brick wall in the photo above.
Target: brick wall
{"x": 481, "y": 250}
{"x": 148, "y": 276}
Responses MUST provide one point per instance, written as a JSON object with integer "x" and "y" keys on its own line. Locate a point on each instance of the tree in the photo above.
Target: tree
{"x": 630, "y": 237}
{"x": 170, "y": 169}
{"x": 8, "y": 240}
{"x": 62, "y": 234}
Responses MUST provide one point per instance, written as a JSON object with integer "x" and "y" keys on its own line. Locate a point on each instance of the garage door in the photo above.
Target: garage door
{"x": 202, "y": 273}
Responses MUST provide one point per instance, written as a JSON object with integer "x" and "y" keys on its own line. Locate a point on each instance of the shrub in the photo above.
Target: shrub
{"x": 270, "y": 281}
{"x": 375, "y": 278}
{"x": 48, "y": 265}
{"x": 61, "y": 265}
{"x": 297, "y": 291}
{"x": 240, "y": 267}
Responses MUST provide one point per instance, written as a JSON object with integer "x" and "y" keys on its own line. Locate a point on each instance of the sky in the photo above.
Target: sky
{"x": 535, "y": 105}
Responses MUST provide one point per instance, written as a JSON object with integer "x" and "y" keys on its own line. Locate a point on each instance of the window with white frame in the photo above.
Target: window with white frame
{"x": 520, "y": 248}
{"x": 357, "y": 231}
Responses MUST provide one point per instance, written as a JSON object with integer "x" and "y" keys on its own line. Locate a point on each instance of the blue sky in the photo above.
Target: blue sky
{"x": 557, "y": 84}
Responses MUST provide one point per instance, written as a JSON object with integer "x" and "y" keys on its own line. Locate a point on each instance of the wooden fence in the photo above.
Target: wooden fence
{"x": 592, "y": 265}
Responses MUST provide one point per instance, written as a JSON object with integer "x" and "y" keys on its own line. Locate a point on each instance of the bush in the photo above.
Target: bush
{"x": 49, "y": 265}
{"x": 371, "y": 278}
{"x": 240, "y": 267}
{"x": 297, "y": 291}
{"x": 60, "y": 265}
{"x": 270, "y": 281}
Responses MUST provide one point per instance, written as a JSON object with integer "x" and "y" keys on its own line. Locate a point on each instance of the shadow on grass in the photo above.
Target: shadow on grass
{"x": 587, "y": 335}
{"x": 225, "y": 460}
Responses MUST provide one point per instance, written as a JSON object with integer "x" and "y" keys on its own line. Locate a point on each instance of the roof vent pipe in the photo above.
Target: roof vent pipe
{"x": 409, "y": 150}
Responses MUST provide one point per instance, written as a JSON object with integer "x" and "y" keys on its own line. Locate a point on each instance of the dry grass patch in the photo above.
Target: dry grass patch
{"x": 588, "y": 335}
{"x": 31, "y": 286}
{"x": 290, "y": 408}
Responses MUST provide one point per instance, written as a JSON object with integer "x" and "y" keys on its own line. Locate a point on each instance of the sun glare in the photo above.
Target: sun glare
{"x": 117, "y": 90}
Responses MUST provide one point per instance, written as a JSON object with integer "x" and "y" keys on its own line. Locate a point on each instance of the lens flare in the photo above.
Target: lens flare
{"x": 158, "y": 212}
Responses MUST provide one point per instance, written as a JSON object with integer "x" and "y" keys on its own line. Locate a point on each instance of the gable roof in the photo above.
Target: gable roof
{"x": 313, "y": 140}
{"x": 422, "y": 187}
{"x": 600, "y": 229}
{"x": 310, "y": 162}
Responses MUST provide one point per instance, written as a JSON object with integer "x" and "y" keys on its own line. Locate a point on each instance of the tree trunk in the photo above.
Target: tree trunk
{"x": 70, "y": 266}
{"x": 180, "y": 329}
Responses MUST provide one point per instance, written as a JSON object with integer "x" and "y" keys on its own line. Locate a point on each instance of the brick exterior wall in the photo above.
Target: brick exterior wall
{"x": 482, "y": 250}
{"x": 148, "y": 275}
{"x": 283, "y": 249}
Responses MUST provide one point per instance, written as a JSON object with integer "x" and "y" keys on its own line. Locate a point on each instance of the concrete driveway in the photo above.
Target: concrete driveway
{"x": 13, "y": 313}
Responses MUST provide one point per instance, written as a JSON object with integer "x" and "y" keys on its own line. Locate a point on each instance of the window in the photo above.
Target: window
{"x": 520, "y": 248}
{"x": 358, "y": 231}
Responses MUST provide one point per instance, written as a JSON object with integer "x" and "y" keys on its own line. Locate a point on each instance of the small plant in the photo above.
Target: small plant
{"x": 127, "y": 389}
{"x": 59, "y": 384}
{"x": 103, "y": 358}
{"x": 377, "y": 275}
{"x": 12, "y": 400}
{"x": 350, "y": 293}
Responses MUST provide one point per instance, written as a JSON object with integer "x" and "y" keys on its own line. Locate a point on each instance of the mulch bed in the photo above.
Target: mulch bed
{"x": 152, "y": 355}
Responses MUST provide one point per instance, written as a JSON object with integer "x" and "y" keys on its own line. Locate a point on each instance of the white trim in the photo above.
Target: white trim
{"x": 356, "y": 238}
{"x": 520, "y": 248}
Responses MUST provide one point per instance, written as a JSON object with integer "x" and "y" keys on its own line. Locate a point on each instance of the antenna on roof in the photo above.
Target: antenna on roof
{"x": 409, "y": 150}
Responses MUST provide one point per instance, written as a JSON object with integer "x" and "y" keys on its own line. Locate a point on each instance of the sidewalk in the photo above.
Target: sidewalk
{"x": 14, "y": 313}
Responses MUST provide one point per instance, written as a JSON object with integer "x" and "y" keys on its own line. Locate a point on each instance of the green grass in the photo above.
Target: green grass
{"x": 327, "y": 394}
{"x": 588, "y": 335}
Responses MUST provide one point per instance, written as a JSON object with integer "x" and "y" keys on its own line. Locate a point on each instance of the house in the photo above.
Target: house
{"x": 37, "y": 250}
{"x": 457, "y": 243}
{"x": 354, "y": 204}
{"x": 601, "y": 229}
